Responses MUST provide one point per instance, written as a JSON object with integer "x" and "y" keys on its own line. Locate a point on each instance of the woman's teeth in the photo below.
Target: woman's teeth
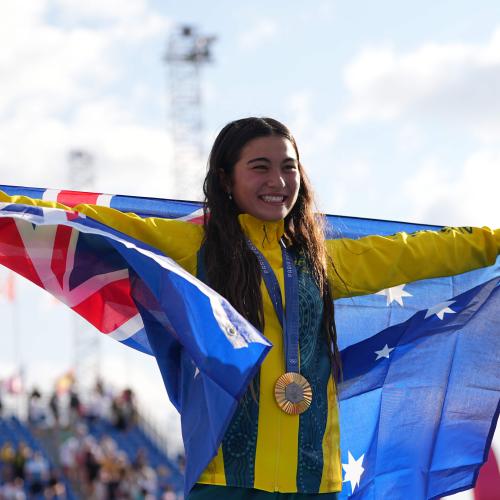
{"x": 273, "y": 199}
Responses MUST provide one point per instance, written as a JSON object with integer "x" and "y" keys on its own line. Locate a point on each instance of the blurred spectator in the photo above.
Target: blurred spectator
{"x": 23, "y": 453}
{"x": 7, "y": 456}
{"x": 67, "y": 456}
{"x": 72, "y": 454}
{"x": 36, "y": 472}
{"x": 164, "y": 475}
{"x": 54, "y": 408}
{"x": 92, "y": 465}
{"x": 115, "y": 468}
{"x": 75, "y": 407}
{"x": 124, "y": 411}
{"x": 98, "y": 404}
{"x": 13, "y": 489}
{"x": 144, "y": 476}
{"x": 181, "y": 462}
{"x": 168, "y": 493}
{"x": 36, "y": 410}
{"x": 55, "y": 488}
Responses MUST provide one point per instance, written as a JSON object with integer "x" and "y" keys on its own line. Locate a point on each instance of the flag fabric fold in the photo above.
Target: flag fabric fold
{"x": 405, "y": 349}
{"x": 419, "y": 401}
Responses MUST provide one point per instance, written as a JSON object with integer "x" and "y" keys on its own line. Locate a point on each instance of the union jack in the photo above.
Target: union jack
{"x": 56, "y": 258}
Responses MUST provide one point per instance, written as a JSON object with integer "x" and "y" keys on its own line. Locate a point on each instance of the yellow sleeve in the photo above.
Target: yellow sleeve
{"x": 180, "y": 240}
{"x": 372, "y": 263}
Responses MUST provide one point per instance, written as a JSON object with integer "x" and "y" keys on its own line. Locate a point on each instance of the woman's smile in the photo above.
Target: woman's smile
{"x": 273, "y": 198}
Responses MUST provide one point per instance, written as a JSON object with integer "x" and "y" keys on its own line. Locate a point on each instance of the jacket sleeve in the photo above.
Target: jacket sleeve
{"x": 372, "y": 263}
{"x": 180, "y": 240}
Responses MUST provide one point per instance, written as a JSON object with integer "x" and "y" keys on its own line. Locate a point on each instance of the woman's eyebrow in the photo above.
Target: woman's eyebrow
{"x": 262, "y": 158}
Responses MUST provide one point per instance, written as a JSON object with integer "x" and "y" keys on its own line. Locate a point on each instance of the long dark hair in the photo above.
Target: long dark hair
{"x": 231, "y": 267}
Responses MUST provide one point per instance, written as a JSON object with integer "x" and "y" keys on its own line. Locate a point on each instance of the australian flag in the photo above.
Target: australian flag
{"x": 419, "y": 398}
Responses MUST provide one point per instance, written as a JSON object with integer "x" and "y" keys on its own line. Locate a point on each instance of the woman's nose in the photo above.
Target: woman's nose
{"x": 276, "y": 179}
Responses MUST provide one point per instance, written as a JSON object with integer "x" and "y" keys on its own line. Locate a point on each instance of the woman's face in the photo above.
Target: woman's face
{"x": 265, "y": 181}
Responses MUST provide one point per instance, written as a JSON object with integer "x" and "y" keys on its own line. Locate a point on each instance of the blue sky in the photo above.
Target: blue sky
{"x": 395, "y": 105}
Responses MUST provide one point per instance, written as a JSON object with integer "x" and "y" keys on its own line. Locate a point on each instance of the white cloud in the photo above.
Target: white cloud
{"x": 257, "y": 35}
{"x": 129, "y": 157}
{"x": 452, "y": 81}
{"x": 315, "y": 139}
{"x": 464, "y": 196}
{"x": 313, "y": 136}
{"x": 64, "y": 77}
{"x": 103, "y": 10}
{"x": 53, "y": 73}
{"x": 338, "y": 183}
{"x": 300, "y": 107}
{"x": 128, "y": 20}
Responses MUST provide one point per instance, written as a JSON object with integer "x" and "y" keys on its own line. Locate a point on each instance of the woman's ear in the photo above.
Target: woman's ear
{"x": 225, "y": 180}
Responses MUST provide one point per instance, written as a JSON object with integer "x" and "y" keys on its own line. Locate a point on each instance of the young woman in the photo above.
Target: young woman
{"x": 262, "y": 247}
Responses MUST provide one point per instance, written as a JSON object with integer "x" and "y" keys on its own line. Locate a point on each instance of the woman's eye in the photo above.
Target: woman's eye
{"x": 290, "y": 166}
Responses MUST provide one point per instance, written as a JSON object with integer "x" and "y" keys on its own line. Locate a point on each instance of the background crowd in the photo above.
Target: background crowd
{"x": 81, "y": 447}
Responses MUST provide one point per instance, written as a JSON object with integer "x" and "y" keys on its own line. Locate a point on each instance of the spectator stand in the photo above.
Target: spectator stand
{"x": 99, "y": 444}
{"x": 26, "y": 470}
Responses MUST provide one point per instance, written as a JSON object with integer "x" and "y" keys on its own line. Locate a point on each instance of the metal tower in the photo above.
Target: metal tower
{"x": 86, "y": 341}
{"x": 187, "y": 51}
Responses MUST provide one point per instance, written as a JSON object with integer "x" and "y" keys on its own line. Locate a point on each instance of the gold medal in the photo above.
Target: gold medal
{"x": 293, "y": 393}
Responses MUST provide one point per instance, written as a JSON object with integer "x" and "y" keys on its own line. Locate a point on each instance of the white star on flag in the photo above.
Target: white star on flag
{"x": 353, "y": 470}
{"x": 196, "y": 372}
{"x": 396, "y": 293}
{"x": 440, "y": 309}
{"x": 384, "y": 352}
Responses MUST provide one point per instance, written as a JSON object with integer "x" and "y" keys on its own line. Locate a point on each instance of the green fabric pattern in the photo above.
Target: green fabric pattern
{"x": 240, "y": 441}
{"x": 315, "y": 367}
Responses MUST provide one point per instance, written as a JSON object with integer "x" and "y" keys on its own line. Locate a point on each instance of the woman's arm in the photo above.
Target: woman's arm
{"x": 373, "y": 263}
{"x": 180, "y": 240}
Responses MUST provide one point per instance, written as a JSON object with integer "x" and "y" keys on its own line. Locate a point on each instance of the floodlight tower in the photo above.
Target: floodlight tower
{"x": 187, "y": 51}
{"x": 86, "y": 343}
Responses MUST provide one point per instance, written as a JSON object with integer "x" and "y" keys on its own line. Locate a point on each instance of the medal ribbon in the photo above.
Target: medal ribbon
{"x": 290, "y": 320}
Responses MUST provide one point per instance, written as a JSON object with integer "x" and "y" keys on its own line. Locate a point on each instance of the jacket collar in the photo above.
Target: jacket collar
{"x": 265, "y": 235}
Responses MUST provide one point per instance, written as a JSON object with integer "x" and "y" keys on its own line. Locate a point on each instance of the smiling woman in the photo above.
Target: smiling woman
{"x": 263, "y": 243}
{"x": 255, "y": 177}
